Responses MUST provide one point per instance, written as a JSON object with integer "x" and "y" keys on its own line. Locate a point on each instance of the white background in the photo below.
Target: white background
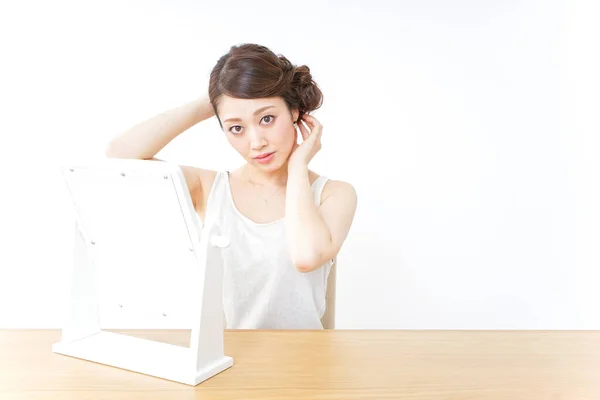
{"x": 469, "y": 129}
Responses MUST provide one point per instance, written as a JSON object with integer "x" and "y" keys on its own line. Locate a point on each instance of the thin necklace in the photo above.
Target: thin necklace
{"x": 265, "y": 200}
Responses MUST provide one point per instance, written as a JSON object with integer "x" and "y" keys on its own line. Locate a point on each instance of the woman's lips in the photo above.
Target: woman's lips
{"x": 263, "y": 159}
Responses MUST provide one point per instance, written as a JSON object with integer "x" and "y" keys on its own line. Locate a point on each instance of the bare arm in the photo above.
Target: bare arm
{"x": 146, "y": 139}
{"x": 316, "y": 234}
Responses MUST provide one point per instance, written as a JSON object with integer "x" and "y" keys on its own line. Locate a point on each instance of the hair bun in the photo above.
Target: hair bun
{"x": 307, "y": 91}
{"x": 303, "y": 76}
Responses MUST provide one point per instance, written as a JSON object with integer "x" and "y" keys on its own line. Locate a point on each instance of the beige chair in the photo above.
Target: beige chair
{"x": 328, "y": 319}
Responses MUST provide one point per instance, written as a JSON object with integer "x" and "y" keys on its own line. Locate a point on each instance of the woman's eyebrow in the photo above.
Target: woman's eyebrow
{"x": 255, "y": 112}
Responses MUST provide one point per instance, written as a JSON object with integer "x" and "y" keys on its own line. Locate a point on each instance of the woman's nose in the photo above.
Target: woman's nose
{"x": 257, "y": 140}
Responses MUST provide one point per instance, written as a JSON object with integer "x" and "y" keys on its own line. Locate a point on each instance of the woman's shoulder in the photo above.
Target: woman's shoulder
{"x": 338, "y": 188}
{"x": 333, "y": 186}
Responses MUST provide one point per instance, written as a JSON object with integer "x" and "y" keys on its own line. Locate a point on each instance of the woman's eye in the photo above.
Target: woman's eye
{"x": 270, "y": 118}
{"x": 235, "y": 129}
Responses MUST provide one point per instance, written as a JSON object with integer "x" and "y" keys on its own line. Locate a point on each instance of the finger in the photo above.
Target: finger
{"x": 303, "y": 130}
{"x": 312, "y": 122}
{"x": 308, "y": 119}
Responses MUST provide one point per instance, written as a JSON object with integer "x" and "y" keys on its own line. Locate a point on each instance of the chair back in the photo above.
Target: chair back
{"x": 328, "y": 319}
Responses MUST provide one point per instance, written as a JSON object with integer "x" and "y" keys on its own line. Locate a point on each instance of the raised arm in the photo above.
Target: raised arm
{"x": 144, "y": 140}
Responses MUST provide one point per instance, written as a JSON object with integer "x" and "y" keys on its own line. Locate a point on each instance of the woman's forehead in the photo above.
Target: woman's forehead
{"x": 232, "y": 108}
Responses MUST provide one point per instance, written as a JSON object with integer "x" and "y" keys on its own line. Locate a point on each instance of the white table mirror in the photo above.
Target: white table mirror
{"x": 143, "y": 260}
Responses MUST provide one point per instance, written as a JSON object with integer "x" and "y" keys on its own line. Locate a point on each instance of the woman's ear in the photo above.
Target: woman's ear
{"x": 295, "y": 115}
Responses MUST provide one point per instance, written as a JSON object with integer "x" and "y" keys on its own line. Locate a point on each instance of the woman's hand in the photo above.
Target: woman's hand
{"x": 311, "y": 142}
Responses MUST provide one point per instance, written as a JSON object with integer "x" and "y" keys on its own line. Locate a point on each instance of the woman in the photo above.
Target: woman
{"x": 285, "y": 222}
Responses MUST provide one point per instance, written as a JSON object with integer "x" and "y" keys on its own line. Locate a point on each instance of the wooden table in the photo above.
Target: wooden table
{"x": 278, "y": 365}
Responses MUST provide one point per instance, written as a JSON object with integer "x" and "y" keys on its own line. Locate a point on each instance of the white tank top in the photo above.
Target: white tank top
{"x": 261, "y": 287}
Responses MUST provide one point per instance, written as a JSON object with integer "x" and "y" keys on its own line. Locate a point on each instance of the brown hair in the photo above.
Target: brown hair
{"x": 251, "y": 71}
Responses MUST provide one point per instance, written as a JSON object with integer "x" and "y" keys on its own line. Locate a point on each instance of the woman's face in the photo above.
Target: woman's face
{"x": 261, "y": 130}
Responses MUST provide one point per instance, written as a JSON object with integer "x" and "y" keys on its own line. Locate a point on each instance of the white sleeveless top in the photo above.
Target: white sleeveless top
{"x": 261, "y": 287}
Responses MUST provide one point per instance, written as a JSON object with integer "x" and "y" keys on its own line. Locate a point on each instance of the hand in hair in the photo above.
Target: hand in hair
{"x": 311, "y": 142}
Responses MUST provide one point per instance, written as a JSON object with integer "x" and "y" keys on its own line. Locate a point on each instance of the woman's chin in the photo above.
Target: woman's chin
{"x": 268, "y": 168}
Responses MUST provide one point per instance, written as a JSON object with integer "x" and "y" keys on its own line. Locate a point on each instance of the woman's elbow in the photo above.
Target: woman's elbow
{"x": 307, "y": 264}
